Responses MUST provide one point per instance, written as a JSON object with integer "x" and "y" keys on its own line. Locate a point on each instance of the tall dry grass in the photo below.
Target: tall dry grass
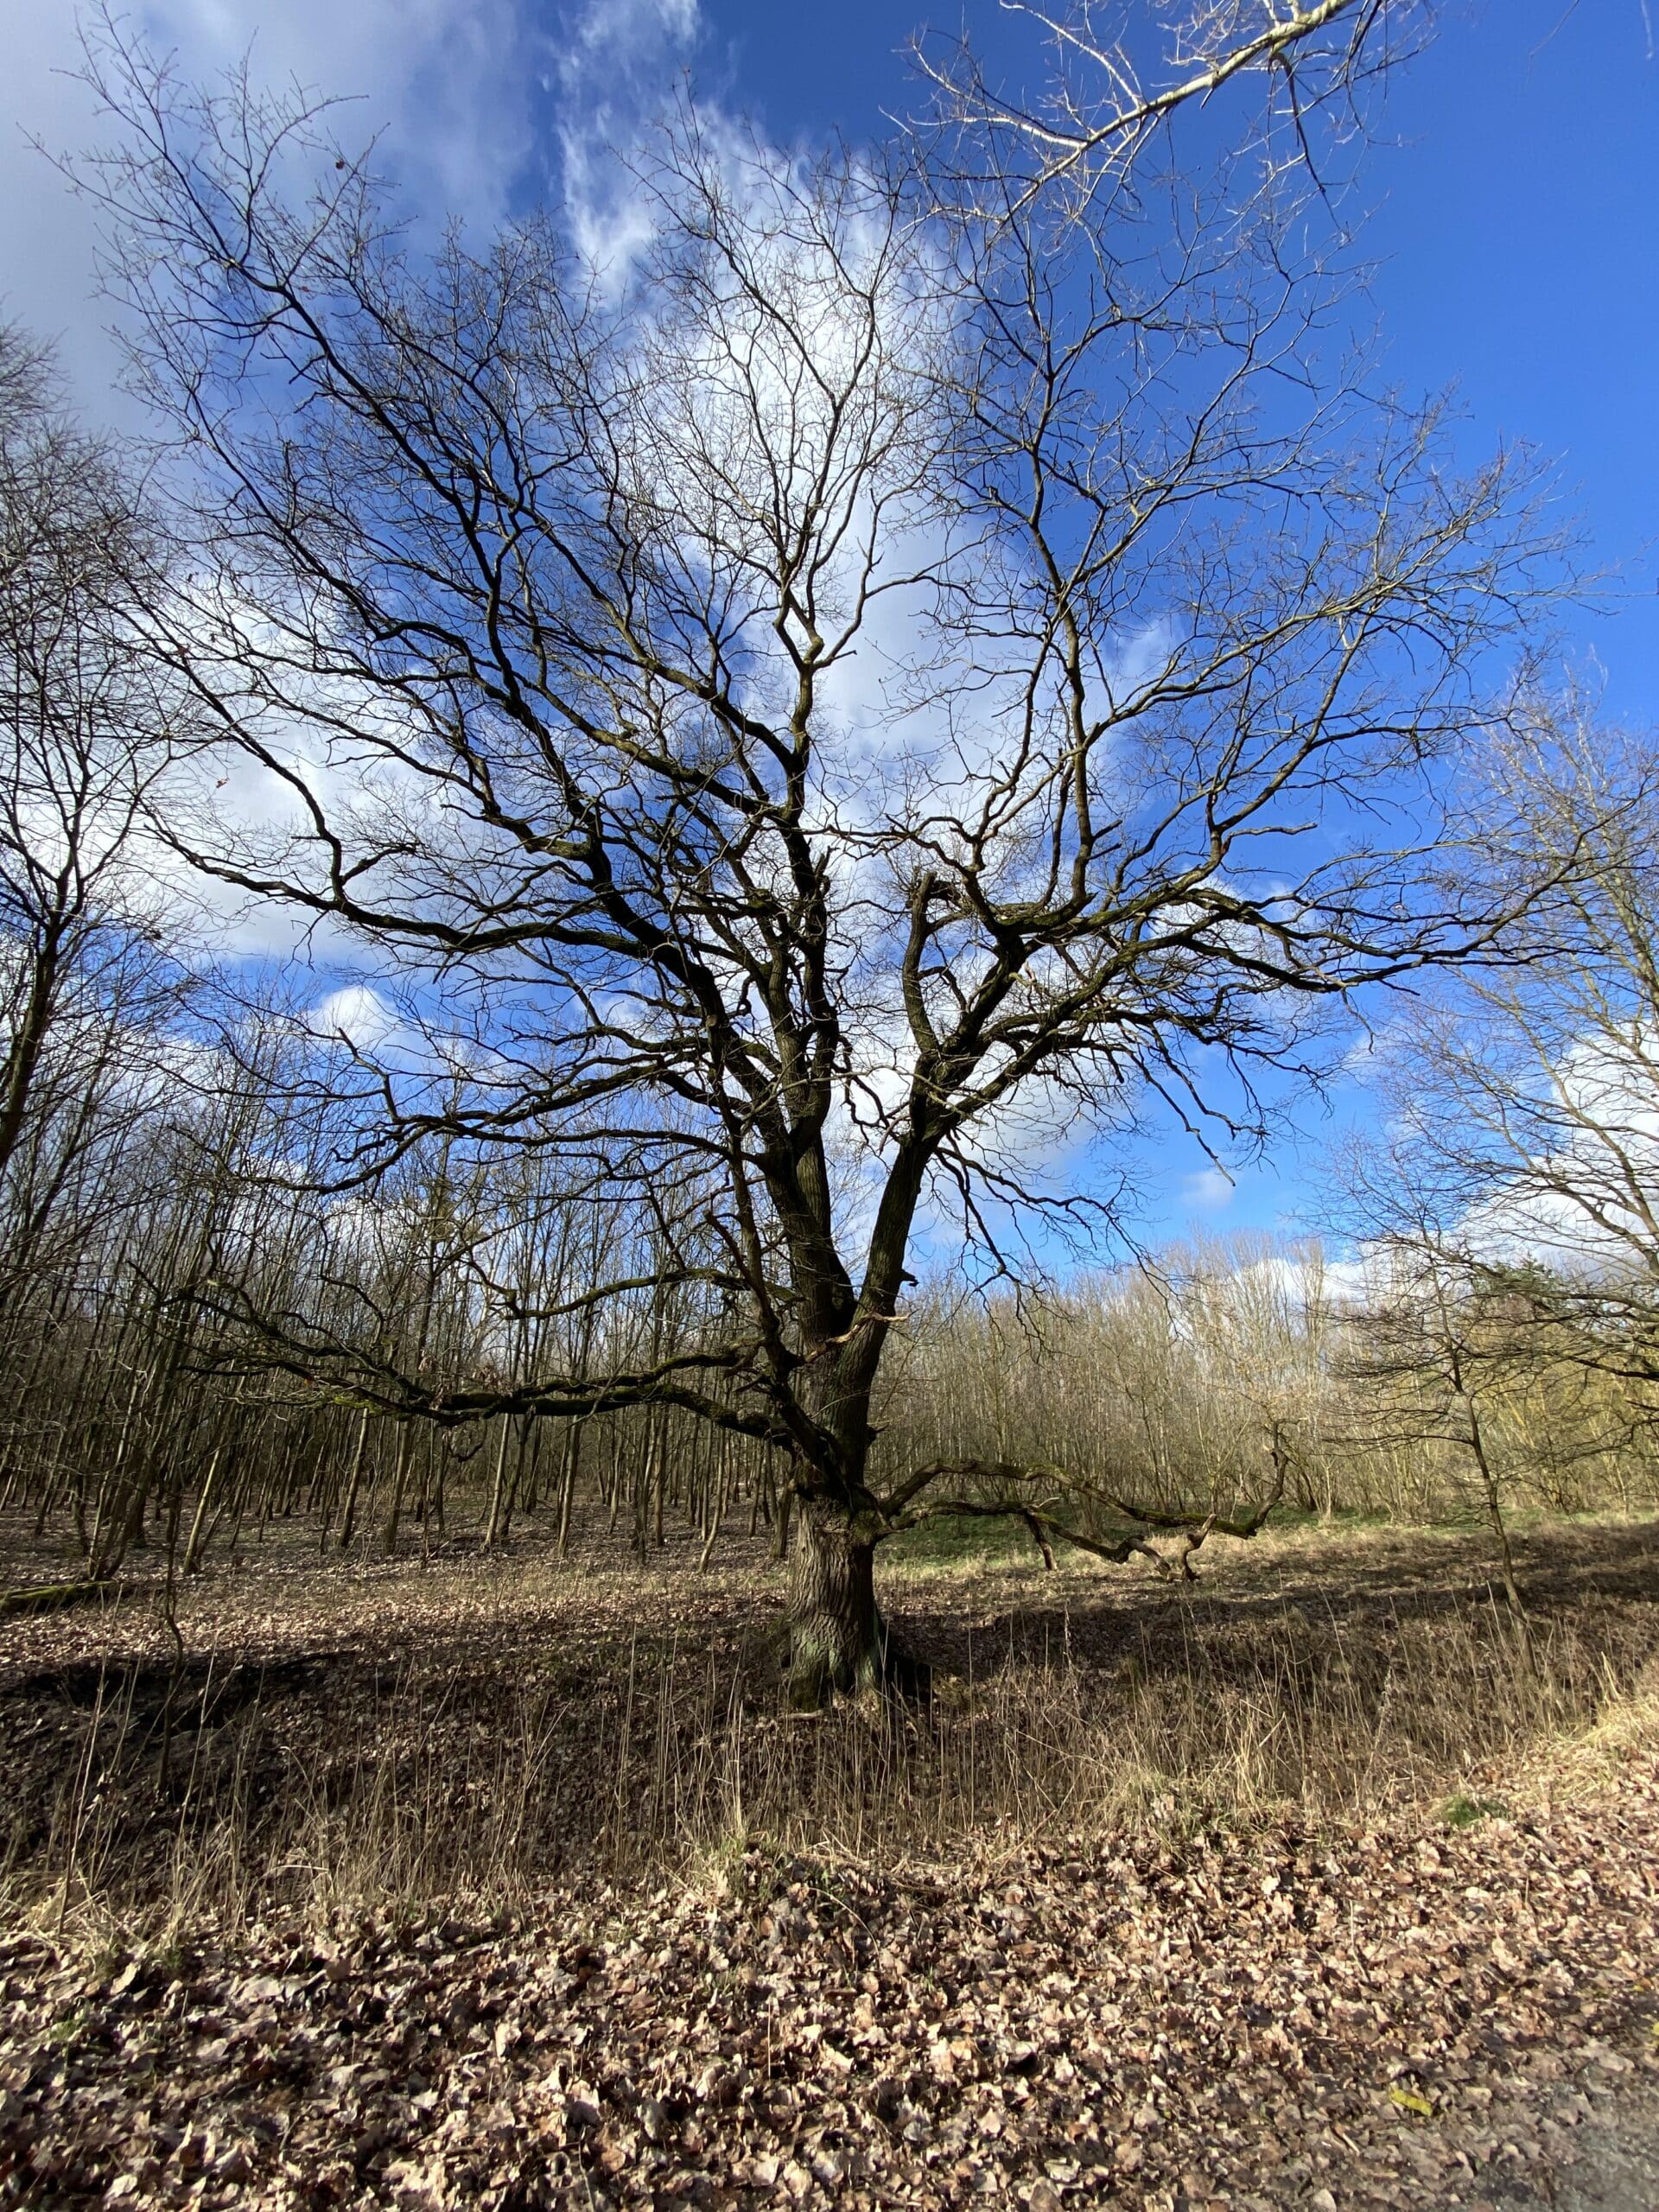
{"x": 468, "y": 1793}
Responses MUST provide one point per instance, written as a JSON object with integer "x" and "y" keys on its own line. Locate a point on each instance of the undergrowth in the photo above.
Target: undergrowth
{"x": 163, "y": 1797}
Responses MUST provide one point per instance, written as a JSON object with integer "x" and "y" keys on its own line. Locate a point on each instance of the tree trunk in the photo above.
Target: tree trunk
{"x": 201, "y": 1525}
{"x": 568, "y": 1485}
{"x": 497, "y": 1530}
{"x": 399, "y": 1476}
{"x": 348, "y": 1517}
{"x": 837, "y": 1640}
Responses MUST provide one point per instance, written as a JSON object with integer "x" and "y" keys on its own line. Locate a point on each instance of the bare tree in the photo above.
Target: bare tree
{"x": 1431, "y": 1347}
{"x": 84, "y": 733}
{"x": 1527, "y": 1100}
{"x": 797, "y": 723}
{"x": 1104, "y": 102}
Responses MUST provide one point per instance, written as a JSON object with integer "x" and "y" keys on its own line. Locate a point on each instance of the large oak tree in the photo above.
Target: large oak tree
{"x": 940, "y": 645}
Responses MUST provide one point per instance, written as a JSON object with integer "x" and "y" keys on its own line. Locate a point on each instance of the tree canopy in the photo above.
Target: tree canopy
{"x": 941, "y": 646}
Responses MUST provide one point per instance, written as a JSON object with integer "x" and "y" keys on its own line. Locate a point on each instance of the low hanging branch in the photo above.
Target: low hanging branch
{"x": 1045, "y": 1519}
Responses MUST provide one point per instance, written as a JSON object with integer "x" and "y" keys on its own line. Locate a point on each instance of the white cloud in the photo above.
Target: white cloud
{"x": 1582, "y": 1160}
{"x": 629, "y": 36}
{"x": 446, "y": 80}
{"x": 358, "y": 1014}
{"x": 616, "y": 75}
{"x": 1210, "y": 1189}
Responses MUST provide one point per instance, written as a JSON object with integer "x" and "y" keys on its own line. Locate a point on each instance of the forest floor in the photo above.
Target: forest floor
{"x": 483, "y": 1881}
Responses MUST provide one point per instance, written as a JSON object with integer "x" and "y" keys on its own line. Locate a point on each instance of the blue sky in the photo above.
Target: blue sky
{"x": 1514, "y": 226}
{"x": 1515, "y": 223}
{"x": 1517, "y": 232}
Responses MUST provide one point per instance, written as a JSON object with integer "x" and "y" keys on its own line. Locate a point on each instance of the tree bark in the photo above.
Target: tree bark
{"x": 567, "y": 1484}
{"x": 837, "y": 1638}
{"x": 400, "y": 1476}
{"x": 497, "y": 1528}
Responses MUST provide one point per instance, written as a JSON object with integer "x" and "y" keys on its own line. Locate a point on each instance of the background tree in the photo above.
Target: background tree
{"x": 84, "y": 733}
{"x": 1524, "y": 1105}
{"x": 795, "y": 722}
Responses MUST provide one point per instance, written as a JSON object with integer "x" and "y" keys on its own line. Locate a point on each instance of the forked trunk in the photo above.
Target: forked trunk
{"x": 836, "y": 1639}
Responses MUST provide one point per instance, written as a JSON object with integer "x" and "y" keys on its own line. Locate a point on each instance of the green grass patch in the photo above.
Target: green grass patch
{"x": 962, "y": 1540}
{"x": 1461, "y": 1812}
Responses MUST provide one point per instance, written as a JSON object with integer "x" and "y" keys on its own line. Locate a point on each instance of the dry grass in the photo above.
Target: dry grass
{"x": 470, "y": 1735}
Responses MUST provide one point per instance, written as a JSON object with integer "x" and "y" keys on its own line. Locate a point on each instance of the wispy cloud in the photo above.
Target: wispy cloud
{"x": 444, "y": 79}
{"x": 616, "y": 74}
{"x": 445, "y": 82}
{"x": 1208, "y": 1190}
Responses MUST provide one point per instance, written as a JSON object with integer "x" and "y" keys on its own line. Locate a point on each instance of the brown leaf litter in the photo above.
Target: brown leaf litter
{"x": 1396, "y": 2017}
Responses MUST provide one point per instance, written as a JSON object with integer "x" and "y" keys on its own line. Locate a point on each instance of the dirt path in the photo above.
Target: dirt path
{"x": 1610, "y": 2165}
